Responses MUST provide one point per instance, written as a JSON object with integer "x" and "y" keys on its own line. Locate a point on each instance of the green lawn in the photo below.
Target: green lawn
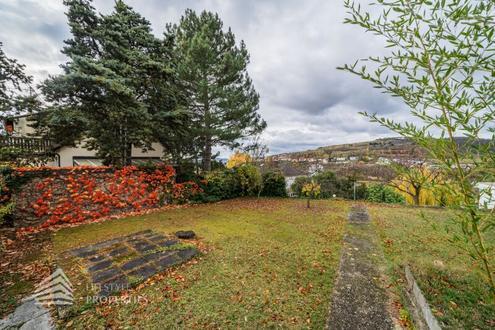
{"x": 270, "y": 263}
{"x": 448, "y": 277}
{"x": 265, "y": 263}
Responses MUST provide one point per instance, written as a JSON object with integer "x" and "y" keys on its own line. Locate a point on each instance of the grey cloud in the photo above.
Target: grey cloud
{"x": 32, "y": 32}
{"x": 278, "y": 140}
{"x": 341, "y": 124}
{"x": 295, "y": 47}
{"x": 56, "y": 32}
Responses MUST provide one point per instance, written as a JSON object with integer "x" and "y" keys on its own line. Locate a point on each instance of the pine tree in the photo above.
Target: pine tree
{"x": 115, "y": 90}
{"x": 212, "y": 71}
{"x": 16, "y": 94}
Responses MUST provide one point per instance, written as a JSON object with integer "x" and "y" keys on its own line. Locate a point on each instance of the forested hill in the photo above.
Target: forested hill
{"x": 386, "y": 148}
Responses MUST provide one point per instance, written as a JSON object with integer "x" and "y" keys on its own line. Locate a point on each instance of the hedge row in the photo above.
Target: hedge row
{"x": 244, "y": 180}
{"x": 344, "y": 187}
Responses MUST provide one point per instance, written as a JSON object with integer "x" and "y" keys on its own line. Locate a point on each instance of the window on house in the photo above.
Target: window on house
{"x": 81, "y": 161}
{"x": 146, "y": 161}
{"x": 9, "y": 126}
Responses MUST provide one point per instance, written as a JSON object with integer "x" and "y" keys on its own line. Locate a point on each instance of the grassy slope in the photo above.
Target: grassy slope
{"x": 447, "y": 276}
{"x": 272, "y": 263}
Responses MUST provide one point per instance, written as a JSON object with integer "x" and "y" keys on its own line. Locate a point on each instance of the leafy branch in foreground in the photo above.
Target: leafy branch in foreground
{"x": 441, "y": 63}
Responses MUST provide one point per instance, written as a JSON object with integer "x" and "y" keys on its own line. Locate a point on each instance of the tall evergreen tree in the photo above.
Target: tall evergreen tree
{"x": 212, "y": 71}
{"x": 115, "y": 89}
{"x": 16, "y": 93}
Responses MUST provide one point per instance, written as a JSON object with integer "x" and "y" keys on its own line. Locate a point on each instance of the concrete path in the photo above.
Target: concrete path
{"x": 359, "y": 300}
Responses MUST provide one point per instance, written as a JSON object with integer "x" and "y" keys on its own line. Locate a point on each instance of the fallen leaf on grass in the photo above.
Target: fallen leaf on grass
{"x": 305, "y": 290}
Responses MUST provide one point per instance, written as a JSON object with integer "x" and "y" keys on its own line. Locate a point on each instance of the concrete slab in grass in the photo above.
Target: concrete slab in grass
{"x": 115, "y": 263}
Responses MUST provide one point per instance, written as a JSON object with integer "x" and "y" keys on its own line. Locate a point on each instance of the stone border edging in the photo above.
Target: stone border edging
{"x": 419, "y": 301}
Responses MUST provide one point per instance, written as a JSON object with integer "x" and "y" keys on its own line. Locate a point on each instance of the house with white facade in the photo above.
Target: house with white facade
{"x": 19, "y": 133}
{"x": 383, "y": 161}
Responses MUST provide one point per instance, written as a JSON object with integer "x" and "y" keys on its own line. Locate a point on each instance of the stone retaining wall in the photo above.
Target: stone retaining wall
{"x": 47, "y": 196}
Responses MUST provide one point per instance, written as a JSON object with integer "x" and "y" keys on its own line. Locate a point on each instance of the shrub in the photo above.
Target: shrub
{"x": 7, "y": 205}
{"x": 6, "y": 213}
{"x": 361, "y": 191}
{"x": 221, "y": 184}
{"x": 53, "y": 196}
{"x": 334, "y": 185}
{"x": 244, "y": 180}
{"x": 249, "y": 177}
{"x": 184, "y": 192}
{"x": 273, "y": 184}
{"x": 185, "y": 171}
{"x": 331, "y": 185}
{"x": 298, "y": 185}
{"x": 380, "y": 193}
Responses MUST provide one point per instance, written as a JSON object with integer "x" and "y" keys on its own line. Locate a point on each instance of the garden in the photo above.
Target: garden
{"x": 263, "y": 262}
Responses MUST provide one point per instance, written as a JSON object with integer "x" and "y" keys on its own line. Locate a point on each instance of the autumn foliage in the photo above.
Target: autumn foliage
{"x": 88, "y": 193}
{"x": 238, "y": 159}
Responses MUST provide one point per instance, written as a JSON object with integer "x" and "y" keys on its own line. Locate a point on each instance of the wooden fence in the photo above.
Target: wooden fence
{"x": 27, "y": 144}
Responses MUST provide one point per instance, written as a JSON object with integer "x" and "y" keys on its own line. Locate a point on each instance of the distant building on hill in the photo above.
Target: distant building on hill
{"x": 289, "y": 180}
{"x": 383, "y": 161}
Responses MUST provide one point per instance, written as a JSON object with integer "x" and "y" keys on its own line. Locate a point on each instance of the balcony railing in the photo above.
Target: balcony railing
{"x": 27, "y": 144}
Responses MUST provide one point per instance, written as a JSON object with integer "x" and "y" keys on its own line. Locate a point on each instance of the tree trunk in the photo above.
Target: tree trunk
{"x": 207, "y": 137}
{"x": 417, "y": 192}
{"x": 128, "y": 155}
{"x": 307, "y": 203}
{"x": 125, "y": 148}
{"x": 207, "y": 155}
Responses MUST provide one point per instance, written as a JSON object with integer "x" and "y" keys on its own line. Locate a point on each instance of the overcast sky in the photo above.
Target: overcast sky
{"x": 295, "y": 47}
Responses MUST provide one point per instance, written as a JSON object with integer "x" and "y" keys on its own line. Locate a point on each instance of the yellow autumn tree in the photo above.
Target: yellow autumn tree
{"x": 311, "y": 190}
{"x": 238, "y": 159}
{"x": 421, "y": 185}
{"x": 414, "y": 182}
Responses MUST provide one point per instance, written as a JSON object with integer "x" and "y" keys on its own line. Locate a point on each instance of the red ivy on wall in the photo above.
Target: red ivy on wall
{"x": 88, "y": 193}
